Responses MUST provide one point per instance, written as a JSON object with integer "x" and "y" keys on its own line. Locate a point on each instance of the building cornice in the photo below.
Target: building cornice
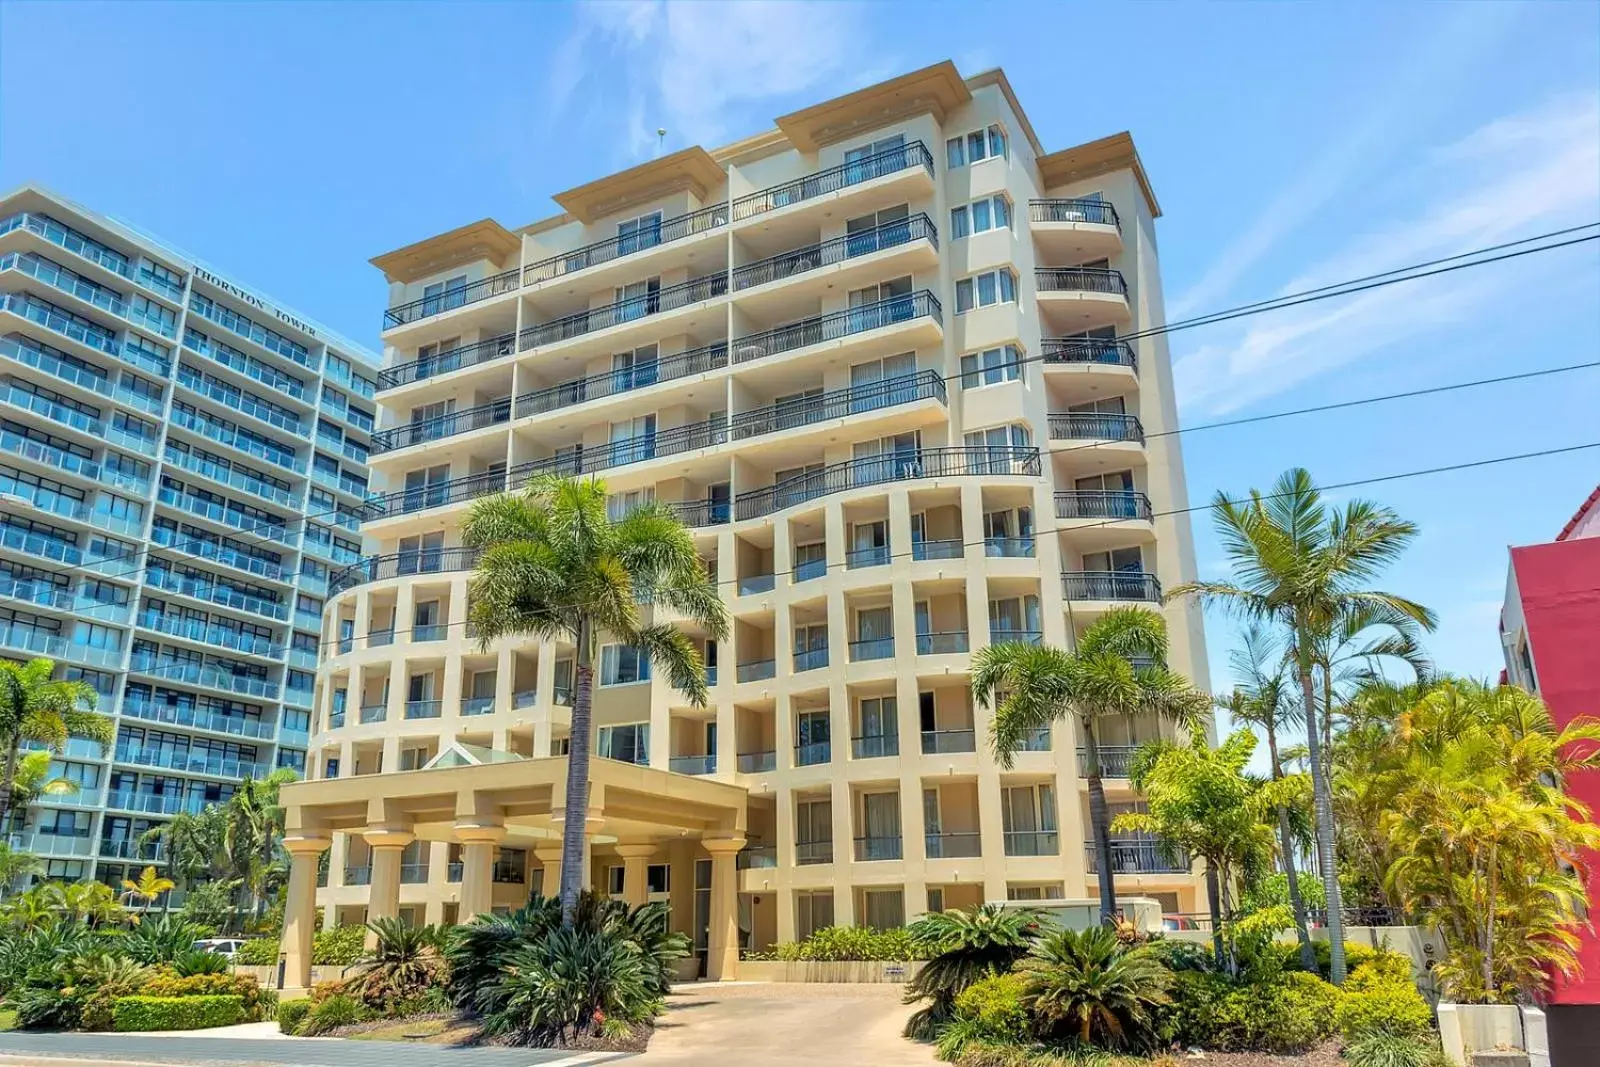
{"x": 484, "y": 239}
{"x": 1105, "y": 156}
{"x": 935, "y": 90}
{"x": 690, "y": 169}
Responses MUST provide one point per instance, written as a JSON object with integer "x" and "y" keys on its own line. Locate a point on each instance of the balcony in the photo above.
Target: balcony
{"x": 810, "y": 659}
{"x": 413, "y": 873}
{"x": 756, "y": 670}
{"x": 947, "y": 549}
{"x": 421, "y": 431}
{"x": 225, "y": 433}
{"x": 1081, "y": 351}
{"x": 1035, "y": 740}
{"x": 1032, "y": 843}
{"x": 240, "y": 401}
{"x": 812, "y": 753}
{"x": 693, "y": 764}
{"x": 874, "y": 746}
{"x": 477, "y": 706}
{"x": 201, "y": 632}
{"x": 835, "y": 325}
{"x": 756, "y": 857}
{"x": 943, "y": 643}
{"x": 430, "y": 631}
{"x": 207, "y": 675}
{"x": 941, "y": 742}
{"x": 211, "y": 550}
{"x": 232, "y": 478}
{"x": 1111, "y": 585}
{"x": 230, "y": 515}
{"x": 756, "y": 762}
{"x": 130, "y": 849}
{"x": 1146, "y": 856}
{"x": 787, "y": 265}
{"x": 953, "y": 846}
{"x": 1114, "y": 760}
{"x": 444, "y": 362}
{"x": 670, "y": 442}
{"x": 839, "y": 404}
{"x": 1096, "y": 427}
{"x": 1004, "y": 636}
{"x": 1008, "y": 547}
{"x": 436, "y": 495}
{"x": 371, "y": 713}
{"x": 664, "y": 233}
{"x": 93, "y": 379}
{"x": 867, "y": 471}
{"x": 508, "y": 872}
{"x": 361, "y": 875}
{"x": 834, "y": 180}
{"x": 380, "y": 638}
{"x": 1074, "y": 211}
{"x": 1104, "y": 504}
{"x": 424, "y": 709}
{"x": 756, "y": 584}
{"x": 870, "y": 556}
{"x": 810, "y": 852}
{"x": 876, "y": 849}
{"x": 625, "y": 380}
{"x": 198, "y": 718}
{"x": 191, "y": 762}
{"x": 450, "y": 299}
{"x": 671, "y": 298}
{"x": 696, "y": 514}
{"x": 1074, "y": 230}
{"x": 403, "y": 564}
{"x": 1080, "y": 280}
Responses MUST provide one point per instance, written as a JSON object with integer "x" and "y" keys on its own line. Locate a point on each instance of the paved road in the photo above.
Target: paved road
{"x": 785, "y": 1025}
{"x": 237, "y": 1052}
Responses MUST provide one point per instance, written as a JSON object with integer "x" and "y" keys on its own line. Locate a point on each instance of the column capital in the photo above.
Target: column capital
{"x": 723, "y": 845}
{"x": 388, "y": 836}
{"x": 548, "y": 853}
{"x": 300, "y": 844}
{"x": 637, "y": 850}
{"x": 479, "y": 833}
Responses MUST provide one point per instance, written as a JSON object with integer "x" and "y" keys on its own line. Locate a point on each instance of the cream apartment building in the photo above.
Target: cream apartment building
{"x": 878, "y": 359}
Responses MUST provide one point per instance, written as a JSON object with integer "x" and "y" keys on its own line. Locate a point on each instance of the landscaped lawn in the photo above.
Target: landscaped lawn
{"x": 8, "y": 1018}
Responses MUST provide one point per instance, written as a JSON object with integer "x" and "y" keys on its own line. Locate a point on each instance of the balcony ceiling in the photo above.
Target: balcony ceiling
{"x": 938, "y": 90}
{"x": 484, "y": 239}
{"x": 690, "y": 169}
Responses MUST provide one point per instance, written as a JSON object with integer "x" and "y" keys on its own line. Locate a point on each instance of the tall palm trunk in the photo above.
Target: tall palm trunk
{"x": 1099, "y": 824}
{"x": 1297, "y": 903}
{"x": 1488, "y": 926}
{"x": 1214, "y": 902}
{"x": 574, "y": 828}
{"x": 1323, "y": 805}
{"x": 8, "y": 782}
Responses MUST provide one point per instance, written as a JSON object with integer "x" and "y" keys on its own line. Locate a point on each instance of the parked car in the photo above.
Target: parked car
{"x": 222, "y": 946}
{"x": 1178, "y": 922}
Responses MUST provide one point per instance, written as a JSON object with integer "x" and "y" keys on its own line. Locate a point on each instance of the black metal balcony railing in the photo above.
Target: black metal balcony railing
{"x": 836, "y": 324}
{"x": 1137, "y": 857}
{"x": 641, "y": 240}
{"x": 623, "y": 380}
{"x": 1103, "y": 504}
{"x": 810, "y": 659}
{"x": 1079, "y": 280}
{"x": 585, "y": 322}
{"x": 698, "y": 513}
{"x": 826, "y": 253}
{"x": 437, "y": 495}
{"x": 939, "y": 742}
{"x": 445, "y": 362}
{"x": 1110, "y": 585}
{"x": 1088, "y": 350}
{"x": 880, "y": 470}
{"x": 1099, "y": 212}
{"x": 938, "y": 644}
{"x": 1078, "y": 426}
{"x": 587, "y": 460}
{"x": 1114, "y": 760}
{"x": 1032, "y": 843}
{"x": 890, "y": 161}
{"x": 415, "y": 433}
{"x": 873, "y": 849}
{"x": 952, "y": 846}
{"x": 450, "y": 299}
{"x": 401, "y": 564}
{"x": 856, "y": 400}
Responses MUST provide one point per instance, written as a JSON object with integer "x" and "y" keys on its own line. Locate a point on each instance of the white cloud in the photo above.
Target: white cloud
{"x": 1510, "y": 178}
{"x": 696, "y": 69}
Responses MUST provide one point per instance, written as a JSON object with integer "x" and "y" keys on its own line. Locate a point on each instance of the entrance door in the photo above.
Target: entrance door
{"x": 702, "y": 913}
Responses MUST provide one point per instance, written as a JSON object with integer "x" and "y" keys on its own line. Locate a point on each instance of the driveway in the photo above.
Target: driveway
{"x": 784, "y": 1024}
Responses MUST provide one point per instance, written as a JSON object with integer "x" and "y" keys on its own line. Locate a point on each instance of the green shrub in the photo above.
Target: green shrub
{"x": 1288, "y": 1014}
{"x": 1181, "y": 955}
{"x": 133, "y": 1014}
{"x": 260, "y": 952}
{"x": 851, "y": 943}
{"x": 339, "y": 947}
{"x": 291, "y": 1013}
{"x": 1382, "y": 1049}
{"x": 163, "y": 982}
{"x": 160, "y": 940}
{"x": 197, "y": 962}
{"x": 995, "y": 1005}
{"x": 1382, "y": 967}
{"x": 332, "y": 1012}
{"x": 1381, "y": 1004}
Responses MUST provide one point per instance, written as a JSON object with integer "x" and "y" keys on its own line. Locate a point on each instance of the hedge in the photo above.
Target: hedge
{"x": 291, "y": 1013}
{"x": 163, "y": 983}
{"x": 339, "y": 947}
{"x": 259, "y": 952}
{"x": 133, "y": 1014}
{"x": 847, "y": 943}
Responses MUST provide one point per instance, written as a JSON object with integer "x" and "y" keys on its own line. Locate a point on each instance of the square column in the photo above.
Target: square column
{"x": 722, "y": 941}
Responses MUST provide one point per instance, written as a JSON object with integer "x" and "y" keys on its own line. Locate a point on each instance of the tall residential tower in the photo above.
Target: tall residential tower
{"x": 182, "y": 463}
{"x": 877, "y": 358}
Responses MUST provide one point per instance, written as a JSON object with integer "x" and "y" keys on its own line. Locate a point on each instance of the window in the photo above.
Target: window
{"x": 642, "y": 232}
{"x": 628, "y": 743}
{"x": 935, "y": 898}
{"x": 991, "y": 366}
{"x": 441, "y": 296}
{"x": 976, "y": 146}
{"x": 623, "y": 665}
{"x": 813, "y": 911}
{"x": 990, "y": 213}
{"x": 1000, "y": 437}
{"x": 990, "y": 287}
{"x": 885, "y": 908}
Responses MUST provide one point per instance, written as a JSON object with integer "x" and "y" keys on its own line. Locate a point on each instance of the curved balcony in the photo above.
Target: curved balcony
{"x": 669, "y": 442}
{"x": 1080, "y": 298}
{"x": 401, "y": 565}
{"x": 673, "y": 297}
{"x": 836, "y": 325}
{"x": 798, "y": 261}
{"x": 445, "y": 362}
{"x": 867, "y": 471}
{"x": 1072, "y": 229}
{"x": 1104, "y": 504}
{"x": 856, "y": 400}
{"x": 493, "y": 413}
{"x": 1094, "y": 426}
{"x": 835, "y": 179}
{"x": 1080, "y": 280}
{"x": 663, "y": 233}
{"x": 483, "y": 289}
{"x": 437, "y": 495}
{"x": 1131, "y": 586}
{"x": 639, "y": 376}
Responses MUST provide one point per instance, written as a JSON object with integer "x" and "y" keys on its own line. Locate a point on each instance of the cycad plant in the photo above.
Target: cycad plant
{"x": 1119, "y": 669}
{"x": 1301, "y": 566}
{"x": 962, "y": 947}
{"x": 1089, "y": 987}
{"x": 553, "y": 564}
{"x": 404, "y": 962}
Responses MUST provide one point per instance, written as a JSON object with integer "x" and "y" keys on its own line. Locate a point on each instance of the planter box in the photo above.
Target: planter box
{"x": 1468, "y": 1028}
{"x": 267, "y": 977}
{"x": 858, "y": 971}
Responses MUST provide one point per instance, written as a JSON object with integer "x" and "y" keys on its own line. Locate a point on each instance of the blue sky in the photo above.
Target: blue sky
{"x": 1290, "y": 145}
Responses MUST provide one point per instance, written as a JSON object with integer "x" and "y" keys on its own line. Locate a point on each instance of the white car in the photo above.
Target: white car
{"x": 222, "y": 946}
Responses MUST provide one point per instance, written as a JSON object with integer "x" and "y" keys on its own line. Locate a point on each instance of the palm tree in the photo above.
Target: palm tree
{"x": 255, "y": 832}
{"x": 198, "y": 845}
{"x": 149, "y": 886}
{"x": 555, "y": 565}
{"x": 1351, "y": 649}
{"x": 1300, "y": 565}
{"x": 90, "y": 903}
{"x": 16, "y": 864}
{"x": 34, "y": 706}
{"x": 1265, "y": 700}
{"x": 1032, "y": 686}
